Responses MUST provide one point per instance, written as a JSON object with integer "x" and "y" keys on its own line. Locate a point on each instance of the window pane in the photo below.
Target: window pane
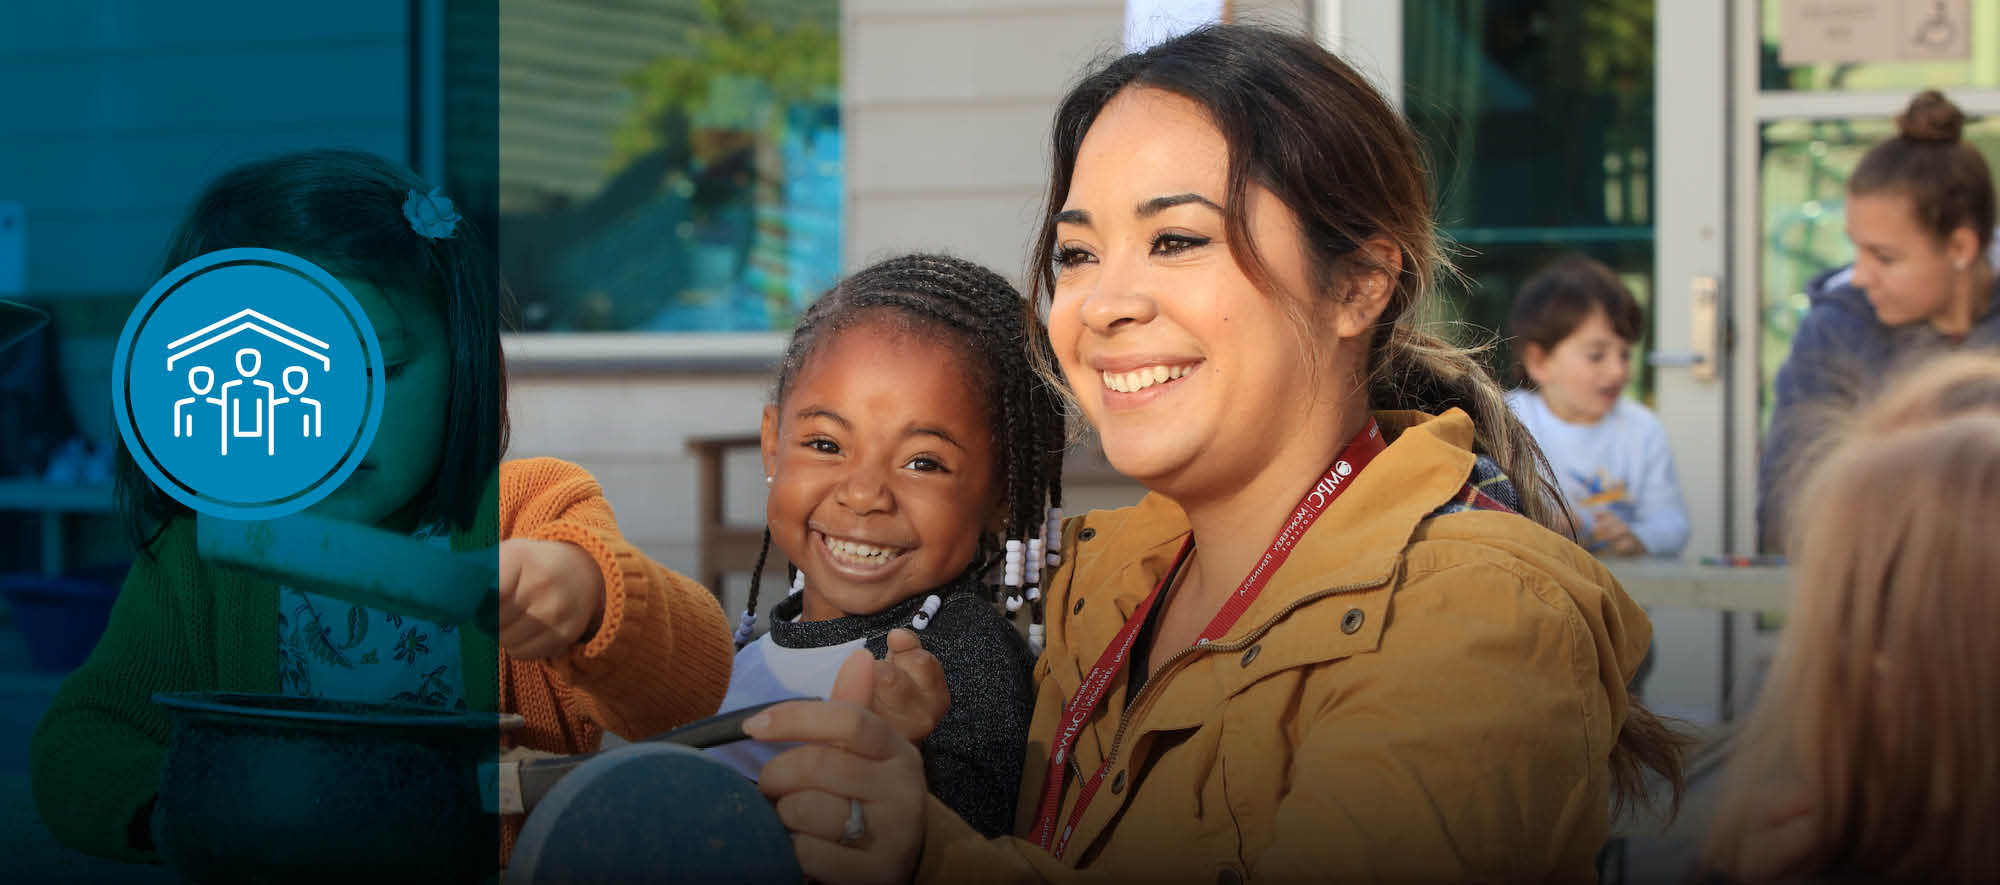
{"x": 669, "y": 165}
{"x": 1981, "y": 35}
{"x": 1803, "y": 181}
{"x": 1538, "y": 118}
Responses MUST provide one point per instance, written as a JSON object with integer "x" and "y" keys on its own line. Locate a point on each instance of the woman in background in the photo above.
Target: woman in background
{"x": 1920, "y": 210}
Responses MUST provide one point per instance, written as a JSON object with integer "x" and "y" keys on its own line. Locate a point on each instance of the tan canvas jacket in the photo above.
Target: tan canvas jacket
{"x": 1413, "y": 697}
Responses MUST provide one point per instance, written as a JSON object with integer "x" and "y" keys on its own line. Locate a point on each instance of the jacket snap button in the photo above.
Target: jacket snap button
{"x": 1086, "y": 534}
{"x": 1077, "y": 608}
{"x": 1118, "y": 783}
{"x": 1228, "y": 876}
{"x": 1251, "y": 655}
{"x": 1351, "y": 621}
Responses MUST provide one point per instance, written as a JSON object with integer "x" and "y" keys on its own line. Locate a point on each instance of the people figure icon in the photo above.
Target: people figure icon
{"x": 248, "y": 362}
{"x": 264, "y": 401}
{"x": 309, "y": 424}
{"x": 201, "y": 380}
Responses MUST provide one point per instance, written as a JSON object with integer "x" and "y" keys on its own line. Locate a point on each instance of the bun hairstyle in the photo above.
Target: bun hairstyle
{"x": 1931, "y": 117}
{"x": 1930, "y": 162}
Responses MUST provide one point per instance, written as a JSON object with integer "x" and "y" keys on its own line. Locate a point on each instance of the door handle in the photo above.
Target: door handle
{"x": 1704, "y": 332}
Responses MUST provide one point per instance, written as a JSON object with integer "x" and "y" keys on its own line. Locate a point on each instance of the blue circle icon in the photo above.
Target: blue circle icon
{"x": 247, "y": 383}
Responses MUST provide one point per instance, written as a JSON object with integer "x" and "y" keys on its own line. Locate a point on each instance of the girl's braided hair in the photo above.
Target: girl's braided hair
{"x": 984, "y": 316}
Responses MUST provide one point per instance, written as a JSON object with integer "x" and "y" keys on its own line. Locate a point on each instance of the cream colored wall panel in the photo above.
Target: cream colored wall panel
{"x": 942, "y": 8}
{"x": 623, "y": 417}
{"x": 948, "y": 147}
{"x": 1288, "y": 15}
{"x": 893, "y": 60}
{"x": 991, "y": 229}
{"x": 676, "y": 555}
{"x": 631, "y": 433}
{"x": 653, "y": 499}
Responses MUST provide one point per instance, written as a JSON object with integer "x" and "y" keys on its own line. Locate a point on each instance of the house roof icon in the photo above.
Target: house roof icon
{"x": 252, "y": 321}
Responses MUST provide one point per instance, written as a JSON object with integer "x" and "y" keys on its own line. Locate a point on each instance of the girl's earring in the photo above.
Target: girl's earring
{"x": 768, "y": 478}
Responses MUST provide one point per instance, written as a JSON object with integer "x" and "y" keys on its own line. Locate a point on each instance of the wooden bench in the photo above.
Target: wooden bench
{"x": 721, "y": 548}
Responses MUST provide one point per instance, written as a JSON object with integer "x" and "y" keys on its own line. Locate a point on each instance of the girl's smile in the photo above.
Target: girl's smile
{"x": 883, "y": 468}
{"x": 858, "y": 560}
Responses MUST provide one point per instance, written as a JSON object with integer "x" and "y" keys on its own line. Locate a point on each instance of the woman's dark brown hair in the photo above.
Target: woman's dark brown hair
{"x": 1312, "y": 131}
{"x": 1929, "y": 161}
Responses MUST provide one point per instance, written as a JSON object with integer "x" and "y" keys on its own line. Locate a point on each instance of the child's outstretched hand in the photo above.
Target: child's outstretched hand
{"x": 909, "y": 687}
{"x": 551, "y": 597}
{"x": 1614, "y": 535}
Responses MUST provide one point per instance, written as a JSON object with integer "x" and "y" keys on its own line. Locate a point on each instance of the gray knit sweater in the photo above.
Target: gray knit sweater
{"x": 972, "y": 761}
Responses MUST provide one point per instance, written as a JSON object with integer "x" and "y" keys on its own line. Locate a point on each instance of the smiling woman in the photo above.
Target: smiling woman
{"x": 1340, "y": 640}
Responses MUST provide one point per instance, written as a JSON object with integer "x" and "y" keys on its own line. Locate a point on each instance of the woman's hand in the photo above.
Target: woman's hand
{"x": 1613, "y": 534}
{"x": 551, "y": 597}
{"x": 910, "y": 693}
{"x": 850, "y": 754}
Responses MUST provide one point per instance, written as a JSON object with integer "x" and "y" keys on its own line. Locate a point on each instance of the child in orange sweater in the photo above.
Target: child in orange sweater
{"x": 591, "y": 634}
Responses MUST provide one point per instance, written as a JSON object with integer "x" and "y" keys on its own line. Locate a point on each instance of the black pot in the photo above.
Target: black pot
{"x": 270, "y": 788}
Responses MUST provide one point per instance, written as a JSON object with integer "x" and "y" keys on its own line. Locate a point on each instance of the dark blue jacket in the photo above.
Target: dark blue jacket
{"x": 1840, "y": 354}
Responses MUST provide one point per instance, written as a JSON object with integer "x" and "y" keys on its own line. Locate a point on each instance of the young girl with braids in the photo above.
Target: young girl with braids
{"x": 913, "y": 459}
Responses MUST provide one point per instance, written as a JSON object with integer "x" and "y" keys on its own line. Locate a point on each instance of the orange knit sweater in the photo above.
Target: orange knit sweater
{"x": 662, "y": 654}
{"x": 660, "y": 658}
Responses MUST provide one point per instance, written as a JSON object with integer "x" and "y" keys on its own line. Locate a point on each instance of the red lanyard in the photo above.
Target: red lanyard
{"x": 1090, "y": 695}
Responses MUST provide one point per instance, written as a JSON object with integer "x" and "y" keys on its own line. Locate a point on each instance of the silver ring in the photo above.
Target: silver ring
{"x": 855, "y": 828}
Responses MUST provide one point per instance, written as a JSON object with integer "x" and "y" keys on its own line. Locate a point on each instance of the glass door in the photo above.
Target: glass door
{"x": 1799, "y": 128}
{"x": 1754, "y": 151}
{"x": 1537, "y": 116}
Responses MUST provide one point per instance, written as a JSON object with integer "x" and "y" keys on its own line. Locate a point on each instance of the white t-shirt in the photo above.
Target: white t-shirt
{"x": 1620, "y": 464}
{"x": 766, "y": 671}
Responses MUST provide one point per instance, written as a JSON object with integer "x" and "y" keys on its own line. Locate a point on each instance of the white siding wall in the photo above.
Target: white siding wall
{"x": 947, "y": 107}
{"x": 631, "y": 432}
